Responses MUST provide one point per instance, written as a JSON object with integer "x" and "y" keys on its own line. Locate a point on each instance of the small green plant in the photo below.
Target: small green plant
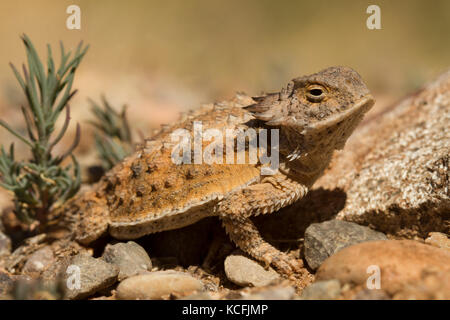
{"x": 42, "y": 183}
{"x": 113, "y": 140}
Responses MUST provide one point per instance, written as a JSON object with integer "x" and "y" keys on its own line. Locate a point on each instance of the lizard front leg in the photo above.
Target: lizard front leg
{"x": 247, "y": 237}
{"x": 268, "y": 196}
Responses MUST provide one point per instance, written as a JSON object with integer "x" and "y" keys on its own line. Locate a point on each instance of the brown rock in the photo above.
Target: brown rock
{"x": 439, "y": 240}
{"x": 434, "y": 285}
{"x": 404, "y": 183}
{"x": 400, "y": 262}
{"x": 158, "y": 285}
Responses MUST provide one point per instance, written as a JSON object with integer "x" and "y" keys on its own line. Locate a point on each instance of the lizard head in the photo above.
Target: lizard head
{"x": 316, "y": 111}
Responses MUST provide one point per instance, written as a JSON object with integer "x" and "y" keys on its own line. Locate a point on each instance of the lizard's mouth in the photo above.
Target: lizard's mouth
{"x": 361, "y": 106}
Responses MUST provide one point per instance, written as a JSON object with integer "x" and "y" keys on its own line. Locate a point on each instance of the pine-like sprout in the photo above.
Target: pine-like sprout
{"x": 42, "y": 183}
{"x": 113, "y": 140}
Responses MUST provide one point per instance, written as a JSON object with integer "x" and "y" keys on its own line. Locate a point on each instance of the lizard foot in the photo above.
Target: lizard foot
{"x": 284, "y": 264}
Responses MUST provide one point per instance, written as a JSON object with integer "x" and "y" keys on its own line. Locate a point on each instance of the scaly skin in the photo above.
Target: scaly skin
{"x": 149, "y": 193}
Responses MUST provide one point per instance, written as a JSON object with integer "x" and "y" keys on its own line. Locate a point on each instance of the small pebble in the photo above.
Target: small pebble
{"x": 130, "y": 258}
{"x": 38, "y": 262}
{"x": 244, "y": 271}
{"x": 158, "y": 285}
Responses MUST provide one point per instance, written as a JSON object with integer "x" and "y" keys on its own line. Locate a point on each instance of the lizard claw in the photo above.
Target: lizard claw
{"x": 285, "y": 264}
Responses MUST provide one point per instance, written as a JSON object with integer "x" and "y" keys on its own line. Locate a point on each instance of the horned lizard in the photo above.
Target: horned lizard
{"x": 147, "y": 192}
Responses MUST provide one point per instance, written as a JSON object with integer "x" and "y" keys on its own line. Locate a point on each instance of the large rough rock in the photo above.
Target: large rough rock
{"x": 244, "y": 271}
{"x": 325, "y": 239}
{"x": 130, "y": 257}
{"x": 395, "y": 167}
{"x": 406, "y": 268}
{"x": 158, "y": 285}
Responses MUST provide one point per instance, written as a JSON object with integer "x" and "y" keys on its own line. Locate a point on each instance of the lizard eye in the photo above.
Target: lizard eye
{"x": 315, "y": 93}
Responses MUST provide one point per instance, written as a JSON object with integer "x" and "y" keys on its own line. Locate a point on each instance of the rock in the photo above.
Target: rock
{"x": 29, "y": 289}
{"x": 374, "y": 294}
{"x": 17, "y": 259}
{"x": 57, "y": 271}
{"x": 277, "y": 293}
{"x": 439, "y": 240}
{"x": 38, "y": 262}
{"x": 64, "y": 251}
{"x": 244, "y": 271}
{"x": 23, "y": 287}
{"x": 158, "y": 285}
{"x": 399, "y": 183}
{"x": 203, "y": 295}
{"x": 94, "y": 275}
{"x": 399, "y": 261}
{"x": 434, "y": 285}
{"x": 5, "y": 245}
{"x": 326, "y": 238}
{"x": 322, "y": 290}
{"x": 130, "y": 257}
{"x": 6, "y": 283}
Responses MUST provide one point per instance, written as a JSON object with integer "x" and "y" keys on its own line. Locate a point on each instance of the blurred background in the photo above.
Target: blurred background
{"x": 160, "y": 57}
